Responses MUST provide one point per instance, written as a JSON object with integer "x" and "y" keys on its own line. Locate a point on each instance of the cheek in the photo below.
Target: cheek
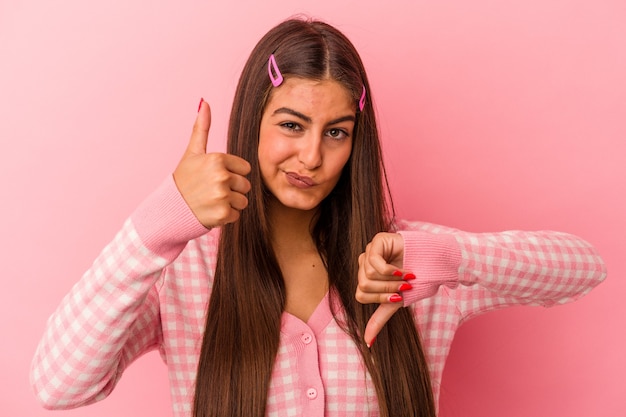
{"x": 273, "y": 150}
{"x": 266, "y": 165}
{"x": 341, "y": 159}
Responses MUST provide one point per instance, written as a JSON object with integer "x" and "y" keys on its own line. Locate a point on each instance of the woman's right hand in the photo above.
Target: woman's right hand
{"x": 213, "y": 184}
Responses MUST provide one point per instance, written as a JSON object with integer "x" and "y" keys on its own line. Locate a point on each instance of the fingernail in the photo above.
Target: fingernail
{"x": 405, "y": 287}
{"x": 200, "y": 104}
{"x": 395, "y": 298}
{"x": 369, "y": 345}
{"x": 397, "y": 273}
{"x": 409, "y": 277}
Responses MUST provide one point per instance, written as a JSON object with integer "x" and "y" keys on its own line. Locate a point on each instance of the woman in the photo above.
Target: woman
{"x": 265, "y": 275}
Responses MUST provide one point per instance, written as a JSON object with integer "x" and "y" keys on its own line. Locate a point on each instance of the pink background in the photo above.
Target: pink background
{"x": 495, "y": 115}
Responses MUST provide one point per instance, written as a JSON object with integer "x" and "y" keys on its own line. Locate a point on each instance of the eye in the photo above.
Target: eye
{"x": 337, "y": 134}
{"x": 292, "y": 126}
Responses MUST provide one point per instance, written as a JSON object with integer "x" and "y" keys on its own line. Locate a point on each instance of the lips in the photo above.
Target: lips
{"x": 299, "y": 180}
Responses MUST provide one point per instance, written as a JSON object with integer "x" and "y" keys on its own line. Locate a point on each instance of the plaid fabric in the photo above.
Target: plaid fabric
{"x": 495, "y": 270}
{"x": 134, "y": 300}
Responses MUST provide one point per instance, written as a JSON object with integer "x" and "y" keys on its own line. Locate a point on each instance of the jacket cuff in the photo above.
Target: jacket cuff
{"x": 165, "y": 222}
{"x": 434, "y": 259}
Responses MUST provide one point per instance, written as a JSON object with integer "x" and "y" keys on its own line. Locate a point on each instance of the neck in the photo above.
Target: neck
{"x": 304, "y": 275}
{"x": 291, "y": 228}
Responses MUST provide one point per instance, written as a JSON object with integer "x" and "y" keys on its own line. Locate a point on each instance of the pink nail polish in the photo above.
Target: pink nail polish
{"x": 405, "y": 287}
{"x": 395, "y": 298}
{"x": 200, "y": 104}
{"x": 397, "y": 273}
{"x": 409, "y": 277}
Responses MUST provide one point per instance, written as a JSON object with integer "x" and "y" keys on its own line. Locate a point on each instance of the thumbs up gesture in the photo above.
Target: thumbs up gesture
{"x": 213, "y": 184}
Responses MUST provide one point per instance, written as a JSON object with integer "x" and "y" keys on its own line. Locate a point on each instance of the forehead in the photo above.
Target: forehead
{"x": 311, "y": 96}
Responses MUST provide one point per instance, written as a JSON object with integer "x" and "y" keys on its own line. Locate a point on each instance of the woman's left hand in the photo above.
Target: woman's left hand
{"x": 382, "y": 280}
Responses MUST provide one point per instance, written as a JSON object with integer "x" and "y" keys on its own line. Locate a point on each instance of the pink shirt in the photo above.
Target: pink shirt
{"x": 149, "y": 289}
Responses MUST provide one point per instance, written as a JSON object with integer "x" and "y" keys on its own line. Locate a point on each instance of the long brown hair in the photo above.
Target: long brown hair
{"x": 242, "y": 332}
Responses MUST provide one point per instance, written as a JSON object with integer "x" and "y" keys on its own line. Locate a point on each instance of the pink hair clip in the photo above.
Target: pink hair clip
{"x": 271, "y": 65}
{"x": 362, "y": 100}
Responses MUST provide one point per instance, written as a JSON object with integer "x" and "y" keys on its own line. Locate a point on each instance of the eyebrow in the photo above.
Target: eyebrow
{"x": 287, "y": 110}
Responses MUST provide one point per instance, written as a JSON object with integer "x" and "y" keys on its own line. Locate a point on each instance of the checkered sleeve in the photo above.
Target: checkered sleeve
{"x": 532, "y": 268}
{"x": 485, "y": 271}
{"x": 111, "y": 316}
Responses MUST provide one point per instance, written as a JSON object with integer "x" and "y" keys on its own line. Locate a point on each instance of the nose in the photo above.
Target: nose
{"x": 310, "y": 154}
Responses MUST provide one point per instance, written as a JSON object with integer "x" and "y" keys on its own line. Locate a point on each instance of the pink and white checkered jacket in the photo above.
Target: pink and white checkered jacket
{"x": 149, "y": 289}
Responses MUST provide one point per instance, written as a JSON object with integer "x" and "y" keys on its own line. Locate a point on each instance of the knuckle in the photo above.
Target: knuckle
{"x": 370, "y": 271}
{"x": 366, "y": 286}
{"x": 215, "y": 156}
{"x": 220, "y": 194}
{"x": 222, "y": 212}
{"x": 220, "y": 176}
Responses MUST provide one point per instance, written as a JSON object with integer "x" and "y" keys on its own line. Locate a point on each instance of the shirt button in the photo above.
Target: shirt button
{"x": 306, "y": 338}
{"x": 311, "y": 393}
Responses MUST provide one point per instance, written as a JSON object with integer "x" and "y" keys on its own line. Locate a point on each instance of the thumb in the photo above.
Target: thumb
{"x": 200, "y": 132}
{"x": 378, "y": 320}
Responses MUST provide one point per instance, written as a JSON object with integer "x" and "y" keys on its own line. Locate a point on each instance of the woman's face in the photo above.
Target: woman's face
{"x": 305, "y": 140}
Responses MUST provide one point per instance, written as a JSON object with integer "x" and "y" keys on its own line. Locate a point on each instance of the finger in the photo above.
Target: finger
{"x": 381, "y": 251}
{"x": 220, "y": 215}
{"x": 376, "y": 263}
{"x": 200, "y": 133}
{"x": 239, "y": 184}
{"x": 232, "y": 217}
{"x": 236, "y": 164}
{"x": 376, "y": 288}
{"x": 374, "y": 268}
{"x": 393, "y": 296}
{"x": 378, "y": 320}
{"x": 383, "y": 289}
{"x": 238, "y": 201}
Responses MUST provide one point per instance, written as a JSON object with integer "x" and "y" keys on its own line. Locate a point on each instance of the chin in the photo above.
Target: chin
{"x": 300, "y": 205}
{"x": 298, "y": 202}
